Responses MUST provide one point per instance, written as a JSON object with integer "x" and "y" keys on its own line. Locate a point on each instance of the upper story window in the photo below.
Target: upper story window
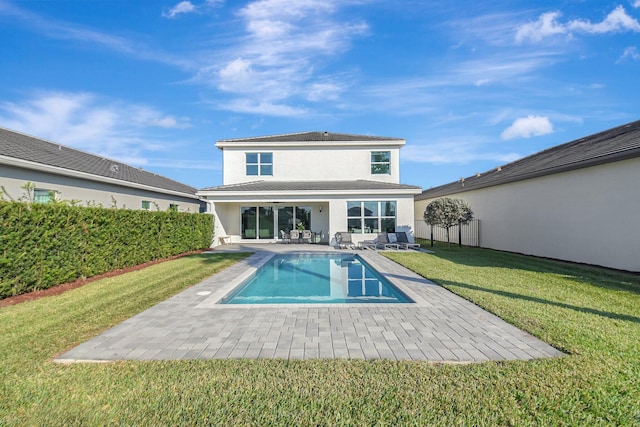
{"x": 381, "y": 162}
{"x": 41, "y": 195}
{"x": 259, "y": 164}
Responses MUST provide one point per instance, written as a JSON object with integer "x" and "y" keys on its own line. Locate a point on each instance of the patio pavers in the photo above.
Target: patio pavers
{"x": 439, "y": 327}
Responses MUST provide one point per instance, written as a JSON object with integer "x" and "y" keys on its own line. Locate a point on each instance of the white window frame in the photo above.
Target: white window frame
{"x": 260, "y": 164}
{"x": 379, "y": 216}
{"x": 377, "y": 164}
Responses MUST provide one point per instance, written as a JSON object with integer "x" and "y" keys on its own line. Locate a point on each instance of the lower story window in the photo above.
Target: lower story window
{"x": 41, "y": 195}
{"x": 371, "y": 217}
{"x": 173, "y": 207}
{"x": 146, "y": 205}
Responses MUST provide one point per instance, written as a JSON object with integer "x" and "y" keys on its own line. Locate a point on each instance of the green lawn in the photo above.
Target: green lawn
{"x": 592, "y": 314}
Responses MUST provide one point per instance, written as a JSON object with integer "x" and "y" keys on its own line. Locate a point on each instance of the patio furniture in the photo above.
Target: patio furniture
{"x": 368, "y": 244}
{"x": 286, "y": 237}
{"x": 306, "y": 236}
{"x": 403, "y": 241}
{"x": 343, "y": 240}
{"x": 385, "y": 243}
{"x": 294, "y": 236}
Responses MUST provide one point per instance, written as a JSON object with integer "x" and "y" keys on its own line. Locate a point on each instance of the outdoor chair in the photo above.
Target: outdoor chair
{"x": 306, "y": 236}
{"x": 385, "y": 243}
{"x": 368, "y": 244}
{"x": 403, "y": 241}
{"x": 343, "y": 240}
{"x": 294, "y": 235}
{"x": 286, "y": 237}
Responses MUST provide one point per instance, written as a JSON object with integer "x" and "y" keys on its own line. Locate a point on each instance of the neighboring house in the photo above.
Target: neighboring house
{"x": 323, "y": 182}
{"x": 578, "y": 201}
{"x": 69, "y": 174}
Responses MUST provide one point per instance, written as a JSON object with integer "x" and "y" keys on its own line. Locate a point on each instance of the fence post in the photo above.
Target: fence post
{"x": 431, "y": 235}
{"x": 459, "y": 233}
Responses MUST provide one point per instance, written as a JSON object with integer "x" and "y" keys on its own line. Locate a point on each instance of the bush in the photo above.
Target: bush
{"x": 43, "y": 245}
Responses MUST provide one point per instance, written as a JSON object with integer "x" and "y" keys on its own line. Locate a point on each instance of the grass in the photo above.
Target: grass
{"x": 590, "y": 313}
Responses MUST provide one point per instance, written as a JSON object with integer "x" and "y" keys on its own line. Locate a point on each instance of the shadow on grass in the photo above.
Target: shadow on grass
{"x": 592, "y": 275}
{"x": 609, "y": 315}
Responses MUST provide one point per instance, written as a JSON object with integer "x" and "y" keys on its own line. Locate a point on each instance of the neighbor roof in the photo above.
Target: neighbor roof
{"x": 612, "y": 145}
{"x": 313, "y": 137}
{"x": 35, "y": 150}
{"x": 304, "y": 186}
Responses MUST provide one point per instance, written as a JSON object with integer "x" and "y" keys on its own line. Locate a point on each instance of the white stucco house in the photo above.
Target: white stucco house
{"x": 578, "y": 201}
{"x": 321, "y": 181}
{"x": 65, "y": 173}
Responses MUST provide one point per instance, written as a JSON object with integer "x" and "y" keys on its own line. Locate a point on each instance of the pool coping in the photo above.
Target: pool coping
{"x": 441, "y": 328}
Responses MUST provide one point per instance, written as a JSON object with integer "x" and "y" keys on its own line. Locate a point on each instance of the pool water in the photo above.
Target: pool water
{"x": 316, "y": 278}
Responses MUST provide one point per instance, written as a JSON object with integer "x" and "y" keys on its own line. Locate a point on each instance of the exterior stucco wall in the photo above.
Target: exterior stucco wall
{"x": 587, "y": 215}
{"x": 90, "y": 192}
{"x": 312, "y": 164}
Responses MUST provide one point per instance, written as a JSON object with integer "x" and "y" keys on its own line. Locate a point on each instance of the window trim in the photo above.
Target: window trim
{"x": 39, "y": 194}
{"x": 259, "y": 164}
{"x": 378, "y": 218}
{"x": 386, "y": 163}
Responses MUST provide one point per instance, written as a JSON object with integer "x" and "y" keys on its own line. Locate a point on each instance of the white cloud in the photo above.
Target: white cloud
{"x": 454, "y": 151}
{"x": 548, "y": 25}
{"x": 181, "y": 8}
{"x": 636, "y": 3}
{"x": 630, "y": 53}
{"x": 244, "y": 105}
{"x": 616, "y": 21}
{"x": 545, "y": 26}
{"x": 525, "y": 127}
{"x": 277, "y": 58}
{"x": 86, "y": 121}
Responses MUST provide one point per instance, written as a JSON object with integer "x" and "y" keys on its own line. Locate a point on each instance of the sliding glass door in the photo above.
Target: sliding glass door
{"x": 257, "y": 222}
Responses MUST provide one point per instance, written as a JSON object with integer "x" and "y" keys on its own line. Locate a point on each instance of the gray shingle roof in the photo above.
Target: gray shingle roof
{"x": 313, "y": 137}
{"x": 303, "y": 186}
{"x": 622, "y": 142}
{"x": 24, "y": 147}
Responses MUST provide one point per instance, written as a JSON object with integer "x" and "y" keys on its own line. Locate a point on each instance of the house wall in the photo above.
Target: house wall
{"x": 588, "y": 215}
{"x": 311, "y": 164}
{"x": 332, "y": 219}
{"x": 90, "y": 192}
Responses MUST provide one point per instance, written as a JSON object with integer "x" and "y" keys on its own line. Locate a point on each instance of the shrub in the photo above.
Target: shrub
{"x": 43, "y": 245}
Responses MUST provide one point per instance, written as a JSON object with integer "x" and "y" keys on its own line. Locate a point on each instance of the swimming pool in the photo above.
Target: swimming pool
{"x": 316, "y": 278}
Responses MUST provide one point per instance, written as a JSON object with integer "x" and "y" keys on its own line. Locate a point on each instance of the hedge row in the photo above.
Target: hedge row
{"x": 42, "y": 245}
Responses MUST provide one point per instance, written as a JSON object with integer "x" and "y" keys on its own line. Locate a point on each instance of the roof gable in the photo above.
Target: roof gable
{"x": 35, "y": 150}
{"x": 612, "y": 145}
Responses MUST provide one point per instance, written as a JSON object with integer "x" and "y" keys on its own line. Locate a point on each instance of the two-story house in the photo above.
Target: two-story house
{"x": 321, "y": 181}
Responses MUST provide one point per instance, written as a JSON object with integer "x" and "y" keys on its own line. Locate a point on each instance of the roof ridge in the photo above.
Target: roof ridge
{"x": 325, "y": 133}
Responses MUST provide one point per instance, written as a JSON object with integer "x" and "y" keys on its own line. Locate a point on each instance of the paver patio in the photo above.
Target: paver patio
{"x": 438, "y": 327}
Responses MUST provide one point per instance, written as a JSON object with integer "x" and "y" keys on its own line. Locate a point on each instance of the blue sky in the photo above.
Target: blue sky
{"x": 470, "y": 85}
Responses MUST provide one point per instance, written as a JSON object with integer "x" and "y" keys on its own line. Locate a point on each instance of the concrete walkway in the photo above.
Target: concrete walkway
{"x": 438, "y": 327}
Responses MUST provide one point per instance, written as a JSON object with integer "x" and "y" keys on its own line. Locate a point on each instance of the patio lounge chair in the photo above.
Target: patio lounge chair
{"x": 294, "y": 236}
{"x": 306, "y": 236}
{"x": 343, "y": 240}
{"x": 403, "y": 241}
{"x": 368, "y": 244}
{"x": 385, "y": 243}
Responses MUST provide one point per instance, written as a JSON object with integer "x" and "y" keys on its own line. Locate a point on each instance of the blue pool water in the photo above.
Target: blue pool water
{"x": 316, "y": 278}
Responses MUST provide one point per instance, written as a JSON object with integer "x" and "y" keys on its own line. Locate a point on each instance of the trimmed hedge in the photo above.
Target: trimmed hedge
{"x": 43, "y": 245}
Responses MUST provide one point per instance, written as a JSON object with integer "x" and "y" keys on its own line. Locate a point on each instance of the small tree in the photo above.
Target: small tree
{"x": 447, "y": 212}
